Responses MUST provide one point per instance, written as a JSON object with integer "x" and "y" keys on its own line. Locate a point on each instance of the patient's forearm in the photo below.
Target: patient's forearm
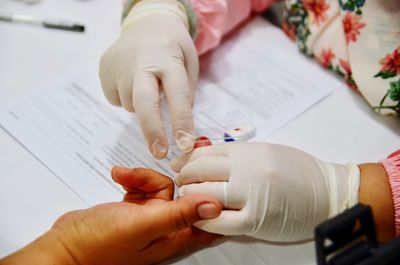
{"x": 375, "y": 191}
{"x": 46, "y": 249}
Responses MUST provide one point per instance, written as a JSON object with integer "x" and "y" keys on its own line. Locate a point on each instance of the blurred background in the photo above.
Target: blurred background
{"x": 26, "y": 49}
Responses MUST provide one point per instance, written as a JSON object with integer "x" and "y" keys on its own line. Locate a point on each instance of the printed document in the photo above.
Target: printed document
{"x": 257, "y": 76}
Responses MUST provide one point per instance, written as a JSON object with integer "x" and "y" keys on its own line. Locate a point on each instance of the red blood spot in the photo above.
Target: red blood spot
{"x": 202, "y": 141}
{"x": 237, "y": 129}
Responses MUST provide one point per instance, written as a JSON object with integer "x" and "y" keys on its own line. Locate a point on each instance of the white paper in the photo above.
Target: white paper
{"x": 258, "y": 76}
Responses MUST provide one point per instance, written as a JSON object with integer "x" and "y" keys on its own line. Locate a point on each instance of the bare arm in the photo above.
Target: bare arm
{"x": 375, "y": 191}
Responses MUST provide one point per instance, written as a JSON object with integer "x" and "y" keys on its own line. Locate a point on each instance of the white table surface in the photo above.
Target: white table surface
{"x": 341, "y": 128}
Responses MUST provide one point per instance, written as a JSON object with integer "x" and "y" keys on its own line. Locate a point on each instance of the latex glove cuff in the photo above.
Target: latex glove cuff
{"x": 343, "y": 182}
{"x": 149, "y": 7}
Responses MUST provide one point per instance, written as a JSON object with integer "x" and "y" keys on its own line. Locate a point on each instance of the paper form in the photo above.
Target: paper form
{"x": 258, "y": 76}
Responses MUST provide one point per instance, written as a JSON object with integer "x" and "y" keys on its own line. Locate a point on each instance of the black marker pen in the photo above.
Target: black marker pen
{"x": 47, "y": 23}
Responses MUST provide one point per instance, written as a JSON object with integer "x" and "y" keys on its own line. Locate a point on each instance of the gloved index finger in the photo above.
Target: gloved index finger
{"x": 216, "y": 190}
{"x": 179, "y": 96}
{"x": 206, "y": 168}
{"x": 146, "y": 99}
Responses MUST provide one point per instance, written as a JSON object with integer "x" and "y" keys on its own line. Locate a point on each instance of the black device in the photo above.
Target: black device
{"x": 350, "y": 239}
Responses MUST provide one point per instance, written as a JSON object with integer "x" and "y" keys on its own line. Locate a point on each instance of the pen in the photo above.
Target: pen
{"x": 47, "y": 23}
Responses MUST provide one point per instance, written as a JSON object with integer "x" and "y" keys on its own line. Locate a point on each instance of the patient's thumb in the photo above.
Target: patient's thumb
{"x": 184, "y": 212}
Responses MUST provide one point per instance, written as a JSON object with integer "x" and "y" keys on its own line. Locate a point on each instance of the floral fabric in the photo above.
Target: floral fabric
{"x": 358, "y": 39}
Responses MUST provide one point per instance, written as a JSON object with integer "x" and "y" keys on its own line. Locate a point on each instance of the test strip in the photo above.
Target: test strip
{"x": 240, "y": 132}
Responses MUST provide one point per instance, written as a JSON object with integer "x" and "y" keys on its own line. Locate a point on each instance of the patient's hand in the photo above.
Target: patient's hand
{"x": 146, "y": 227}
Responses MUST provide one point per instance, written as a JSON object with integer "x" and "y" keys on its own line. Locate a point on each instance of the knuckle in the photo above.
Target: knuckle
{"x": 167, "y": 41}
{"x": 177, "y": 59}
{"x": 146, "y": 67}
{"x": 180, "y": 218}
{"x": 111, "y": 55}
{"x": 182, "y": 93}
{"x": 65, "y": 218}
{"x": 104, "y": 59}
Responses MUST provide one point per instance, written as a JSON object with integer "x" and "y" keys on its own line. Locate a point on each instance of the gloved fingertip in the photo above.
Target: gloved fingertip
{"x": 176, "y": 181}
{"x": 185, "y": 141}
{"x": 174, "y": 164}
{"x": 178, "y": 163}
{"x": 159, "y": 149}
{"x": 181, "y": 191}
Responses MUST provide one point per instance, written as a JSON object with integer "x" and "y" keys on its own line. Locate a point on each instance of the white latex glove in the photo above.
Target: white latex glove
{"x": 271, "y": 192}
{"x": 154, "y": 54}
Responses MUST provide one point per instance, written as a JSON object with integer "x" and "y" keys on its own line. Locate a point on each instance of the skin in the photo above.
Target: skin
{"x": 375, "y": 191}
{"x": 146, "y": 227}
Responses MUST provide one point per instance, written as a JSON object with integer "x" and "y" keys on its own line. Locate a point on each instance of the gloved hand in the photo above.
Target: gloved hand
{"x": 269, "y": 191}
{"x": 154, "y": 54}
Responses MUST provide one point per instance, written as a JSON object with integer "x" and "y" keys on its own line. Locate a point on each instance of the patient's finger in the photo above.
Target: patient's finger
{"x": 143, "y": 180}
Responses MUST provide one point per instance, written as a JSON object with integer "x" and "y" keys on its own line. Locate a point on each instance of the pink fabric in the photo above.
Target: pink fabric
{"x": 392, "y": 167}
{"x": 215, "y": 18}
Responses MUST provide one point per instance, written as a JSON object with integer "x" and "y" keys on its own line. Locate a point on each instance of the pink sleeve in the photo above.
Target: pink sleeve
{"x": 392, "y": 167}
{"x": 215, "y": 18}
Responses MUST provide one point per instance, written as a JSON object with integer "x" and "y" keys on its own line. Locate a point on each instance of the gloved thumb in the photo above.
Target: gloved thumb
{"x": 176, "y": 215}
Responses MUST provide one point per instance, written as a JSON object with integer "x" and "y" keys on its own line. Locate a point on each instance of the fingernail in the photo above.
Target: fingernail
{"x": 185, "y": 141}
{"x": 158, "y": 149}
{"x": 207, "y": 211}
{"x": 118, "y": 169}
